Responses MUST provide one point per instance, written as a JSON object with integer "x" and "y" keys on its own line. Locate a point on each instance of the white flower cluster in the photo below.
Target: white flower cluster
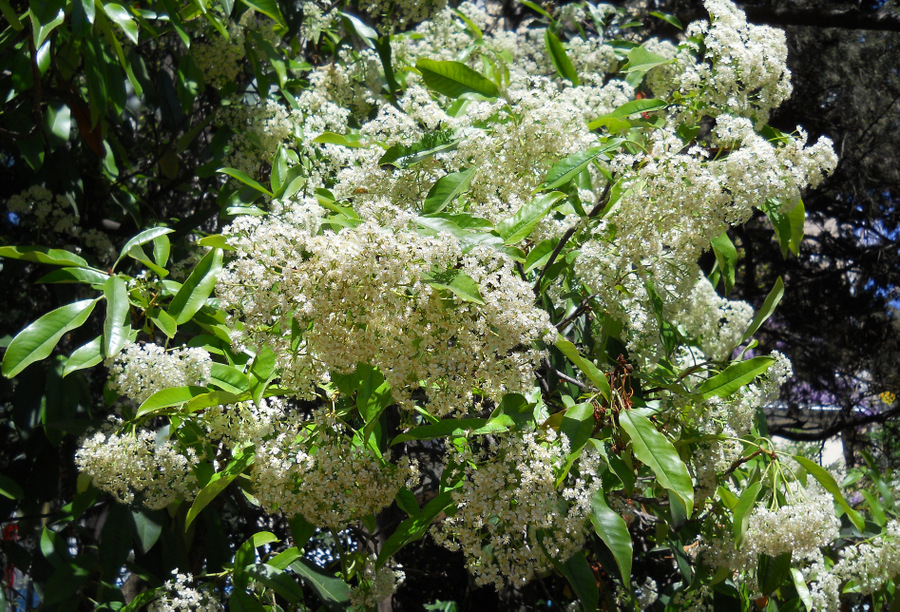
{"x": 800, "y": 527}
{"x": 375, "y": 585}
{"x": 510, "y": 511}
{"x": 181, "y": 595}
{"x": 141, "y": 370}
{"x": 243, "y": 423}
{"x": 45, "y": 213}
{"x": 714, "y": 323}
{"x": 137, "y": 466}
{"x": 867, "y": 567}
{"x": 363, "y": 295}
{"x": 219, "y": 57}
{"x": 318, "y": 472}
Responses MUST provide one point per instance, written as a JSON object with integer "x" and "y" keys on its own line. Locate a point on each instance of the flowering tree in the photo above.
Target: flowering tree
{"x": 456, "y": 300}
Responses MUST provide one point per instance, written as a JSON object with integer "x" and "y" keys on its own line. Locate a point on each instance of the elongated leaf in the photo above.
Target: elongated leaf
{"x": 37, "y": 341}
{"x": 581, "y": 578}
{"x": 453, "y": 79}
{"x": 166, "y": 398}
{"x": 614, "y": 532}
{"x": 10, "y": 489}
{"x": 245, "y": 179}
{"x": 734, "y": 377}
{"x": 229, "y": 378}
{"x": 745, "y": 503}
{"x": 628, "y": 109}
{"x": 569, "y": 167}
{"x": 587, "y": 368}
{"x": 447, "y": 428}
{"x": 334, "y": 592}
{"x": 120, "y": 15}
{"x": 88, "y": 276}
{"x": 117, "y": 307}
{"x": 269, "y": 8}
{"x": 446, "y": 189}
{"x": 827, "y": 481}
{"x": 45, "y": 17}
{"x": 797, "y": 220}
{"x": 518, "y": 227}
{"x": 277, "y": 580}
{"x": 458, "y": 283}
{"x": 802, "y": 589}
{"x": 246, "y": 552}
{"x": 766, "y": 310}
{"x": 54, "y": 257}
{"x": 86, "y": 356}
{"x": 349, "y": 140}
{"x": 642, "y": 60}
{"x": 415, "y": 527}
{"x": 655, "y": 451}
{"x": 144, "y": 237}
{"x": 403, "y": 156}
{"x": 198, "y": 286}
{"x": 560, "y": 59}
{"x": 219, "y": 482}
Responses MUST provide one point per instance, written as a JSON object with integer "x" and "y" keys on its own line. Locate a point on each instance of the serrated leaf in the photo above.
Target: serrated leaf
{"x": 453, "y": 79}
{"x": 518, "y": 227}
{"x": 54, "y": 257}
{"x": 828, "y": 482}
{"x": 559, "y": 57}
{"x": 38, "y": 340}
{"x": 734, "y": 377}
{"x": 144, "y": 237}
{"x": 614, "y": 532}
{"x": 766, "y": 310}
{"x": 197, "y": 288}
{"x": 657, "y": 452}
{"x": 446, "y": 189}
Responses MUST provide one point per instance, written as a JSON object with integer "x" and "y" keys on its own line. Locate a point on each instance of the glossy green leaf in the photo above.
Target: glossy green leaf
{"x": 54, "y": 257}
{"x": 726, "y": 259}
{"x": 167, "y": 398}
{"x": 37, "y": 341}
{"x": 334, "y": 592}
{"x": 219, "y": 482}
{"x": 164, "y": 322}
{"x": 45, "y": 17}
{"x": 197, "y": 288}
{"x": 802, "y": 589}
{"x": 446, "y": 428}
{"x": 10, "y": 15}
{"x": 88, "y": 276}
{"x": 278, "y": 580}
{"x": 734, "y": 377}
{"x": 458, "y": 283}
{"x": 117, "y": 307}
{"x": 228, "y": 378}
{"x": 245, "y": 178}
{"x": 797, "y": 221}
{"x": 766, "y": 310}
{"x": 581, "y": 578}
{"x": 746, "y": 502}
{"x": 348, "y": 140}
{"x": 587, "y": 368}
{"x": 246, "y": 552}
{"x": 453, "y": 79}
{"x": 614, "y": 532}
{"x": 269, "y": 8}
{"x": 559, "y": 57}
{"x": 668, "y": 18}
{"x": 415, "y": 527}
{"x": 642, "y": 60}
{"x": 657, "y": 452}
{"x": 628, "y": 109}
{"x": 10, "y": 489}
{"x": 518, "y": 227}
{"x": 86, "y": 356}
{"x": 827, "y": 481}
{"x": 569, "y": 167}
{"x": 405, "y": 156}
{"x": 148, "y": 526}
{"x": 122, "y": 18}
{"x": 143, "y": 237}
{"x": 446, "y": 189}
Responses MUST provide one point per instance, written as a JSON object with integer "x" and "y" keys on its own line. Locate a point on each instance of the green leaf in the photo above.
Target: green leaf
{"x": 827, "y": 481}
{"x": 219, "y": 482}
{"x": 164, "y": 322}
{"x": 734, "y": 377}
{"x": 229, "y": 378}
{"x": 245, "y": 179}
{"x": 197, "y": 288}
{"x": 403, "y": 156}
{"x": 802, "y": 589}
{"x": 797, "y": 220}
{"x": 88, "y": 276}
{"x": 656, "y": 452}
{"x": 10, "y": 489}
{"x": 348, "y": 140}
{"x": 614, "y": 532}
{"x": 569, "y": 167}
{"x": 772, "y": 571}
{"x": 766, "y": 310}
{"x": 518, "y": 227}
{"x": 642, "y": 60}
{"x": 363, "y": 33}
{"x": 446, "y": 428}
{"x": 215, "y": 241}
{"x": 458, "y": 283}
{"x": 246, "y": 552}
{"x": 13, "y": 18}
{"x": 726, "y": 259}
{"x": 45, "y": 17}
{"x": 86, "y": 356}
{"x": 746, "y": 502}
{"x": 144, "y": 237}
{"x": 278, "y": 581}
{"x": 587, "y": 368}
{"x": 54, "y": 257}
{"x": 670, "y": 19}
{"x": 581, "y": 578}
{"x": 446, "y": 189}
{"x": 560, "y": 59}
{"x": 628, "y": 109}
{"x": 37, "y": 341}
{"x": 115, "y": 325}
{"x": 166, "y": 398}
{"x": 334, "y": 592}
{"x": 147, "y": 528}
{"x": 415, "y": 527}
{"x": 269, "y": 8}
{"x": 122, "y": 18}
{"x": 453, "y": 79}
